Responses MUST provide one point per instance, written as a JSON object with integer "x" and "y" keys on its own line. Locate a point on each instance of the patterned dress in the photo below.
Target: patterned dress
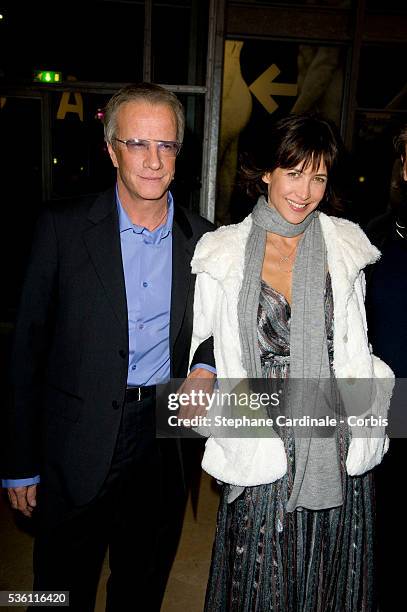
{"x": 265, "y": 559}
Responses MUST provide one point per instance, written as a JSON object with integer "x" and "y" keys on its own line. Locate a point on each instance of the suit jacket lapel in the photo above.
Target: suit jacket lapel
{"x": 181, "y": 272}
{"x": 102, "y": 240}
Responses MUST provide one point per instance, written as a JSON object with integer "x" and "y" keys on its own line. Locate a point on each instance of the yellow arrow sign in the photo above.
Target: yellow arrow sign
{"x": 264, "y": 87}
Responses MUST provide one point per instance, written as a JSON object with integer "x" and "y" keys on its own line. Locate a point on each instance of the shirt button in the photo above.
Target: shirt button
{"x": 115, "y": 404}
{"x": 145, "y": 284}
{"x": 134, "y": 367}
{"x": 141, "y": 326}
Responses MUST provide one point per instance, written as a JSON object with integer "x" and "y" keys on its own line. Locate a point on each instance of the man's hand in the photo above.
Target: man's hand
{"x": 23, "y": 498}
{"x": 202, "y": 382}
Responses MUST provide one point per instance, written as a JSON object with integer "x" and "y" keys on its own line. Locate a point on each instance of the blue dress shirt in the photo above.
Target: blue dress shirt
{"x": 147, "y": 264}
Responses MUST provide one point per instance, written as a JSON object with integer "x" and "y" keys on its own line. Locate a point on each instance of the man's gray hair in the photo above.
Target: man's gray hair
{"x": 142, "y": 92}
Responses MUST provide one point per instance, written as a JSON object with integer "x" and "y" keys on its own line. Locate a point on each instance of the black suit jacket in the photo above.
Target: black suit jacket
{"x": 70, "y": 356}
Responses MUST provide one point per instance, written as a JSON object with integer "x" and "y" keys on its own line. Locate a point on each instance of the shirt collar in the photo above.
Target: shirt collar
{"x": 158, "y": 234}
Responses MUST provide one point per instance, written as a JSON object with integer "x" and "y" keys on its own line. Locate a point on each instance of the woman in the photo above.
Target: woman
{"x": 282, "y": 295}
{"x": 387, "y": 293}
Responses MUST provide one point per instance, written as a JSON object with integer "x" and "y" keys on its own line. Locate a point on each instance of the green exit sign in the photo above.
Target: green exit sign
{"x": 47, "y": 76}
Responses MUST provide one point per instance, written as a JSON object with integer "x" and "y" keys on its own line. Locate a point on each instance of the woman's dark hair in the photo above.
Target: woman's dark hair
{"x": 304, "y": 138}
{"x": 400, "y": 142}
{"x": 398, "y": 184}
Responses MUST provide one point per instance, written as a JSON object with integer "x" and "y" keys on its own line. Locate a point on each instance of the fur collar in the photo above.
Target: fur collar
{"x": 221, "y": 253}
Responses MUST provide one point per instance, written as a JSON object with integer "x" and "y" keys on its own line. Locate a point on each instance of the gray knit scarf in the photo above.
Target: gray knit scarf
{"x": 317, "y": 482}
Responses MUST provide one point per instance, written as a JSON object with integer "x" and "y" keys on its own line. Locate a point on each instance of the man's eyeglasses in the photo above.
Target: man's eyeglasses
{"x": 166, "y": 148}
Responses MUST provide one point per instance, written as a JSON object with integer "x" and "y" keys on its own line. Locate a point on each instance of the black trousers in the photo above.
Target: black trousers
{"x": 391, "y": 528}
{"x": 138, "y": 514}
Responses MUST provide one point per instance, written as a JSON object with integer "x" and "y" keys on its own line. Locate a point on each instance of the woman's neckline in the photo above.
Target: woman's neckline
{"x": 275, "y": 291}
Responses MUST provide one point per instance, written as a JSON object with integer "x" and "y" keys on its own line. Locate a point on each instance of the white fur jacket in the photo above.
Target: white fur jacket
{"x": 218, "y": 262}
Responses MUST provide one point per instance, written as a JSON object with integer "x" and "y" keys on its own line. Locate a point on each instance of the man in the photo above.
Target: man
{"x": 105, "y": 315}
{"x": 386, "y": 309}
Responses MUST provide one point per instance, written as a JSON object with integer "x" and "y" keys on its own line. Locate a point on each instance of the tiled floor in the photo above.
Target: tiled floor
{"x": 186, "y": 586}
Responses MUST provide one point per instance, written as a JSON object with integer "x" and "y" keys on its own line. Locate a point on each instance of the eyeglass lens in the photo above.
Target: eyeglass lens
{"x": 165, "y": 148}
